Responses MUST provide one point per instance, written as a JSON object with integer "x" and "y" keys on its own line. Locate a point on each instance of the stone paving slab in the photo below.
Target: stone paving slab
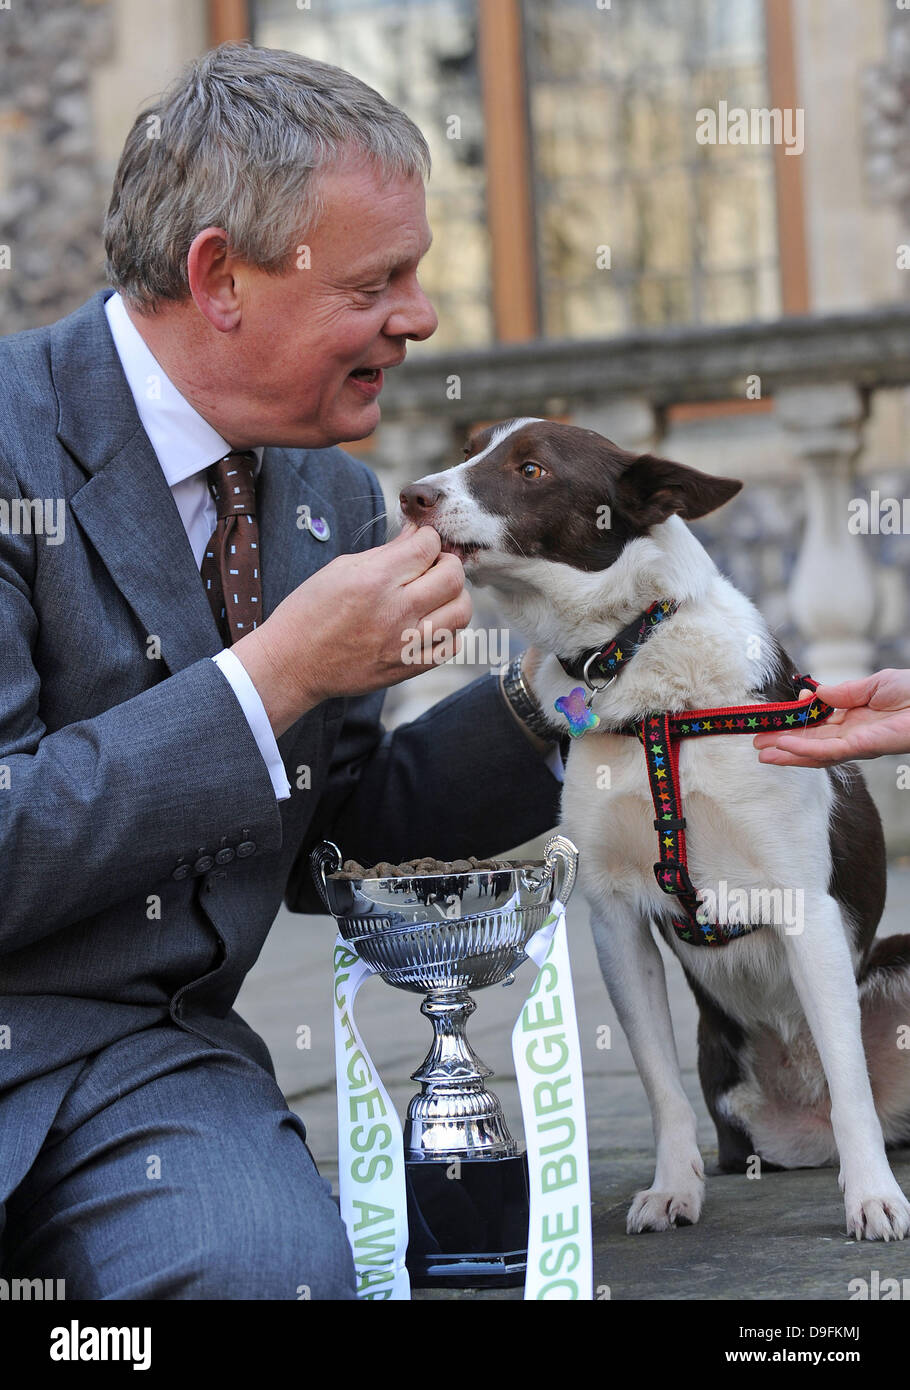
{"x": 780, "y": 1237}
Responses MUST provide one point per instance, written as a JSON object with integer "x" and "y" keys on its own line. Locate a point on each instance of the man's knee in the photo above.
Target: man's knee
{"x": 304, "y": 1256}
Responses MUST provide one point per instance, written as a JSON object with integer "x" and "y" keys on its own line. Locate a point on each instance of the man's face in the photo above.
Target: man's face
{"x": 303, "y": 333}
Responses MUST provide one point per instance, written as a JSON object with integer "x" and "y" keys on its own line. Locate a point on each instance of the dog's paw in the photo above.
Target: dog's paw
{"x": 658, "y": 1211}
{"x": 885, "y": 1217}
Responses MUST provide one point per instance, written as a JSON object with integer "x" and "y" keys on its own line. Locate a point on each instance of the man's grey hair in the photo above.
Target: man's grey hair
{"x": 238, "y": 141}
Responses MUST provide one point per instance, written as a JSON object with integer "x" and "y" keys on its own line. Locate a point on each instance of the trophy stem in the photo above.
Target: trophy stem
{"x": 454, "y": 1116}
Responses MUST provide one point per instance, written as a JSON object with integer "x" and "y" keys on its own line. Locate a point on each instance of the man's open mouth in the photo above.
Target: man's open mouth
{"x": 366, "y": 373}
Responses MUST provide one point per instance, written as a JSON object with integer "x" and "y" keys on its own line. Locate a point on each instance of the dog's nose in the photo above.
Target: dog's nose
{"x": 418, "y": 498}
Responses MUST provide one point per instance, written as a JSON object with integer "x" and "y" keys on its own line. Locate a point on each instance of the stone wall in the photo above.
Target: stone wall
{"x": 52, "y": 197}
{"x": 755, "y": 542}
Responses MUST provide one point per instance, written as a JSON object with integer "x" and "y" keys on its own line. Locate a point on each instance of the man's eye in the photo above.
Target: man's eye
{"x": 531, "y": 470}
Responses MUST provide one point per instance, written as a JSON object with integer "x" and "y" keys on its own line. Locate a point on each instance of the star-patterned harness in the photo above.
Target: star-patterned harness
{"x": 660, "y": 734}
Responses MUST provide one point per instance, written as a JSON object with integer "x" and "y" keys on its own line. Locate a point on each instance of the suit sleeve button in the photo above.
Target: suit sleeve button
{"x": 245, "y": 848}
{"x": 224, "y": 856}
{"x": 181, "y": 871}
{"x": 203, "y": 864}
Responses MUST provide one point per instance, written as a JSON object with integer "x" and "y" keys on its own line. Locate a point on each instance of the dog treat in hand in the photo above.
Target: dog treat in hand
{"x": 414, "y": 867}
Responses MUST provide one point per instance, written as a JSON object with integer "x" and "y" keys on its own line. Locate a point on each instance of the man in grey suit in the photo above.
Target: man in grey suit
{"x": 264, "y": 235}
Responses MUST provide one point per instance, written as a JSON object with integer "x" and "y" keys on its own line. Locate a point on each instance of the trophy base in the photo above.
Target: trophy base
{"x": 469, "y": 1231}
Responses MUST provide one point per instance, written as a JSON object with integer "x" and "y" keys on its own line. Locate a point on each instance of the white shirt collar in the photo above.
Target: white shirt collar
{"x": 183, "y": 441}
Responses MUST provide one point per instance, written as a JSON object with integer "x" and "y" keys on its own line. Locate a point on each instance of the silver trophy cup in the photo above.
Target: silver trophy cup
{"x": 441, "y": 935}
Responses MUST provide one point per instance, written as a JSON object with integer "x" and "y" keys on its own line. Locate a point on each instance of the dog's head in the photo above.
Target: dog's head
{"x": 539, "y": 490}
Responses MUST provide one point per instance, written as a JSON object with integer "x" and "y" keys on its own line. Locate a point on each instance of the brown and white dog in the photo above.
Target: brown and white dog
{"x": 784, "y": 1012}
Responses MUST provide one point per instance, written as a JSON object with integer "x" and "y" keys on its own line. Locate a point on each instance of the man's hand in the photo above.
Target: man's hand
{"x": 872, "y": 717}
{"x": 346, "y": 630}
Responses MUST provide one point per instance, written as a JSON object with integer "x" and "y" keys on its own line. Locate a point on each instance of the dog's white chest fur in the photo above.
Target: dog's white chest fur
{"x": 607, "y": 811}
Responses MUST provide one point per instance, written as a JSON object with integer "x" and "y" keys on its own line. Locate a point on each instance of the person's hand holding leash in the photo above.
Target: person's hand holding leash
{"x": 872, "y": 718}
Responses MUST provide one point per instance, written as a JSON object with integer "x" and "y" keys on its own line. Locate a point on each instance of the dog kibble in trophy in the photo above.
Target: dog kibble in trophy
{"x": 413, "y": 868}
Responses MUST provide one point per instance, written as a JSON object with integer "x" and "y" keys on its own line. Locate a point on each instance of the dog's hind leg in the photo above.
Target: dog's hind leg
{"x": 822, "y": 972}
{"x": 634, "y": 974}
{"x": 721, "y": 1045}
{"x": 884, "y": 999}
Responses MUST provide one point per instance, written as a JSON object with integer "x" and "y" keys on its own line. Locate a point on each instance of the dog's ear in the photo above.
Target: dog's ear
{"x": 651, "y": 489}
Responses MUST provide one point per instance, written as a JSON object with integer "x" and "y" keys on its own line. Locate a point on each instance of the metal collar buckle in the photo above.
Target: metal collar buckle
{"x": 592, "y": 688}
{"x": 587, "y": 679}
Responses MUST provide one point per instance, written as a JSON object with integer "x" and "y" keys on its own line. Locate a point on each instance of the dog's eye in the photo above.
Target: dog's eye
{"x": 531, "y": 470}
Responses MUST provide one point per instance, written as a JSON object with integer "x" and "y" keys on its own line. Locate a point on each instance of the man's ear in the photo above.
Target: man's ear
{"x": 651, "y": 489}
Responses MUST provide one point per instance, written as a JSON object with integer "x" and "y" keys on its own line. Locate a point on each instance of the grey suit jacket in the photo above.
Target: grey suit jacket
{"x": 128, "y": 774}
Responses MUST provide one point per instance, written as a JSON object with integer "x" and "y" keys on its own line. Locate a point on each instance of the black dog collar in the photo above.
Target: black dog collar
{"x": 606, "y": 661}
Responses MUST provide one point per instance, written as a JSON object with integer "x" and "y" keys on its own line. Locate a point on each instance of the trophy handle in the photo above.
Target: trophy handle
{"x": 561, "y": 858}
{"x": 326, "y": 856}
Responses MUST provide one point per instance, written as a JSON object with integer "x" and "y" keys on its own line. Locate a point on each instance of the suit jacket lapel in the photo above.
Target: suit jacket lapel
{"x": 130, "y": 517}
{"x": 290, "y": 553}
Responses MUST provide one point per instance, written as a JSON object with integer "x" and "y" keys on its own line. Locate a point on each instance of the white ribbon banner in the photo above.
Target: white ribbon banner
{"x": 548, "y": 1068}
{"x": 370, "y": 1149}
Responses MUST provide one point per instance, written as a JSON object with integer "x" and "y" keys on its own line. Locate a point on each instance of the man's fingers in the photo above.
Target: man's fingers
{"x": 848, "y": 693}
{"x": 407, "y": 529}
{"x": 815, "y": 747}
{"x": 809, "y": 731}
{"x": 442, "y": 583}
{"x": 780, "y": 757}
{"x": 440, "y": 632}
{"x": 839, "y": 710}
{"x": 792, "y": 738}
{"x": 412, "y": 552}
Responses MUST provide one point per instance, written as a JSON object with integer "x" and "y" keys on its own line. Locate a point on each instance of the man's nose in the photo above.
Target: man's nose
{"x": 418, "y": 500}
{"x": 416, "y": 319}
{"x": 427, "y": 317}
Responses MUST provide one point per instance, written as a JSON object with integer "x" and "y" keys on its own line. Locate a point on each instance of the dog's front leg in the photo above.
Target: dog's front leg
{"x": 822, "y": 973}
{"x": 634, "y": 973}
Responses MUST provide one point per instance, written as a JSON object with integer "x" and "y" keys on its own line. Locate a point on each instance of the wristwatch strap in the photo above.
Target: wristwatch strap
{"x": 519, "y": 696}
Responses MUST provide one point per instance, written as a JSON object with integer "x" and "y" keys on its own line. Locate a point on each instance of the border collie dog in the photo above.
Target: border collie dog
{"x": 801, "y": 1021}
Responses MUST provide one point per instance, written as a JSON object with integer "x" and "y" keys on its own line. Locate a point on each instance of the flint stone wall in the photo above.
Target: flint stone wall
{"x": 52, "y": 198}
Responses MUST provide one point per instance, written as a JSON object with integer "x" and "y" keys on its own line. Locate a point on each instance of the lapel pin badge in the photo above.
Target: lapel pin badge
{"x": 316, "y": 525}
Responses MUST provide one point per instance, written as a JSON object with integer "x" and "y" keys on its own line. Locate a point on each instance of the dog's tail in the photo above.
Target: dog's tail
{"x": 884, "y": 993}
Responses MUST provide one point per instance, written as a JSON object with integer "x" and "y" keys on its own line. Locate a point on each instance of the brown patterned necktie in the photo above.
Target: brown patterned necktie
{"x": 230, "y": 562}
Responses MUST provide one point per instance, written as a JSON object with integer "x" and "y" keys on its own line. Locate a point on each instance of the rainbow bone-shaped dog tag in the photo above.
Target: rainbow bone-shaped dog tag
{"x": 576, "y": 709}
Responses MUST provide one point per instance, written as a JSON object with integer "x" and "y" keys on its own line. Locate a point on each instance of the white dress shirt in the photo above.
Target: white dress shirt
{"x": 185, "y": 445}
{"x": 555, "y": 764}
